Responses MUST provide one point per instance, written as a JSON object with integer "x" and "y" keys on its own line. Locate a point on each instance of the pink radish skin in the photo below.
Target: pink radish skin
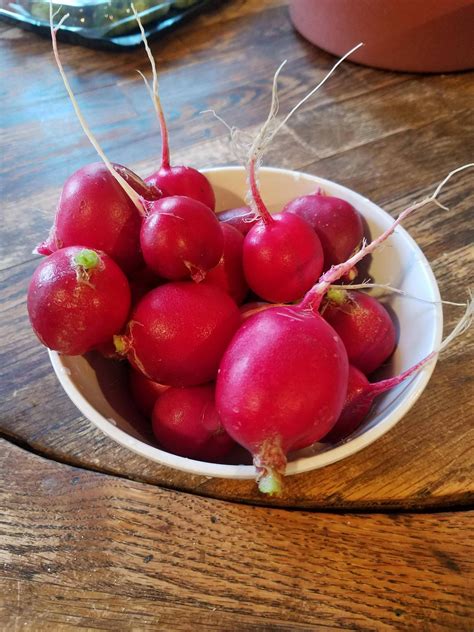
{"x": 178, "y": 333}
{"x": 282, "y": 254}
{"x": 145, "y": 392}
{"x": 242, "y": 218}
{"x": 361, "y": 394}
{"x": 95, "y": 212}
{"x": 262, "y": 392}
{"x": 185, "y": 422}
{"x": 77, "y": 299}
{"x": 180, "y": 180}
{"x": 364, "y": 326}
{"x": 336, "y": 222}
{"x": 281, "y": 383}
{"x": 229, "y": 272}
{"x": 181, "y": 239}
{"x": 282, "y": 258}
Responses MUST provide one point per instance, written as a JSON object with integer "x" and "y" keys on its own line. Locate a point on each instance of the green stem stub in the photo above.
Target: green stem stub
{"x": 270, "y": 463}
{"x": 270, "y": 483}
{"x": 337, "y": 296}
{"x": 87, "y": 259}
{"x": 121, "y": 344}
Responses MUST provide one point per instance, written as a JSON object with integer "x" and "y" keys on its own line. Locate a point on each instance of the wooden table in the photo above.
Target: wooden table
{"x": 97, "y": 538}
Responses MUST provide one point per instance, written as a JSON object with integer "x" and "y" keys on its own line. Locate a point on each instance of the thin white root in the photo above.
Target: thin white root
{"x": 154, "y": 90}
{"x": 394, "y": 290}
{"x": 336, "y": 272}
{"x": 316, "y": 88}
{"x": 132, "y": 194}
{"x": 462, "y": 326}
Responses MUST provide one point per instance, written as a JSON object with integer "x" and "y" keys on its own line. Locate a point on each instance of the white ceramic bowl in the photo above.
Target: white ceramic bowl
{"x": 98, "y": 387}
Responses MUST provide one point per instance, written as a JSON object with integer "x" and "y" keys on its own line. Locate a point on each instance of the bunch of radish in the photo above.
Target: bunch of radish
{"x": 232, "y": 323}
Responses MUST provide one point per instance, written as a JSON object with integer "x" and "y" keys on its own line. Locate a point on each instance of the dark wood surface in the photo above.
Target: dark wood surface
{"x": 390, "y": 136}
{"x": 94, "y": 537}
{"x": 90, "y": 551}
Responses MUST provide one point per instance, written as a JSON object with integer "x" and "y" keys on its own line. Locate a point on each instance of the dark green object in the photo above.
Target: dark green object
{"x": 102, "y": 23}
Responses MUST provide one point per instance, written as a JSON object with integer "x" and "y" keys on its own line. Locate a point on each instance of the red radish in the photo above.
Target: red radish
{"x": 95, "y": 212}
{"x": 145, "y": 392}
{"x": 336, "y": 222}
{"x": 361, "y": 393}
{"x": 177, "y": 180}
{"x": 77, "y": 299}
{"x": 229, "y": 272}
{"x": 283, "y": 379}
{"x": 242, "y": 218}
{"x": 282, "y": 258}
{"x": 181, "y": 238}
{"x": 364, "y": 326}
{"x": 178, "y": 333}
{"x": 129, "y": 182}
{"x": 185, "y": 422}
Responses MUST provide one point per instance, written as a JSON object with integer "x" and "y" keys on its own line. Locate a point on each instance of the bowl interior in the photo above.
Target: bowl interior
{"x": 98, "y": 387}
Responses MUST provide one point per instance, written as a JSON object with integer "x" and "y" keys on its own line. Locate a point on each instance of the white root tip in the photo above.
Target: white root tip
{"x": 462, "y": 326}
{"x": 386, "y": 287}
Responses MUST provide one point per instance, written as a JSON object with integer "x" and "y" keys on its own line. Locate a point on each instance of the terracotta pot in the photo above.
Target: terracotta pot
{"x": 409, "y": 35}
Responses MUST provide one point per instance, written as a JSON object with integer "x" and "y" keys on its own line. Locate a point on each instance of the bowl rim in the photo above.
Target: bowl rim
{"x": 413, "y": 390}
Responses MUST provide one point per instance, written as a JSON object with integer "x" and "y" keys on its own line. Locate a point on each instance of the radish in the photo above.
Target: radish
{"x": 361, "y": 393}
{"x": 185, "y": 422}
{"x": 145, "y": 392}
{"x": 178, "y": 333}
{"x": 181, "y": 238}
{"x": 77, "y": 299}
{"x": 283, "y": 379}
{"x": 241, "y": 218}
{"x": 101, "y": 205}
{"x": 177, "y": 180}
{"x": 127, "y": 180}
{"x": 95, "y": 212}
{"x": 364, "y": 326}
{"x": 336, "y": 222}
{"x": 282, "y": 257}
{"x": 229, "y": 272}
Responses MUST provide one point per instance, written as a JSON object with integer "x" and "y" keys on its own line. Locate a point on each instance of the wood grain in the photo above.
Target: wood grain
{"x": 89, "y": 551}
{"x": 390, "y": 136}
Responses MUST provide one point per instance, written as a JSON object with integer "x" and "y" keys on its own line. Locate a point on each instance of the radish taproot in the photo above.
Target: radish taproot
{"x": 283, "y": 378}
{"x": 78, "y": 298}
{"x": 181, "y": 238}
{"x": 177, "y": 180}
{"x": 185, "y": 422}
{"x": 178, "y": 333}
{"x": 364, "y": 326}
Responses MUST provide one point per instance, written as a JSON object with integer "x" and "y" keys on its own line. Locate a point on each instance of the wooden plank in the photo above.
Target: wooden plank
{"x": 425, "y": 461}
{"x": 390, "y": 136}
{"x": 88, "y": 551}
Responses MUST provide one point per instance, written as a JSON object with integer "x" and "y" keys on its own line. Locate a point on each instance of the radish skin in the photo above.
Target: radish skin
{"x": 78, "y": 299}
{"x": 185, "y": 422}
